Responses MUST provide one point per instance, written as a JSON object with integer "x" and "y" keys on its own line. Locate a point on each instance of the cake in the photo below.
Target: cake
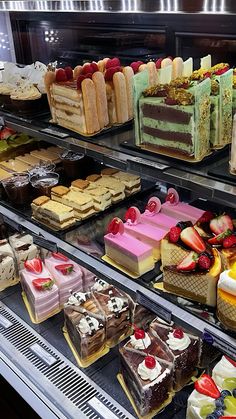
{"x": 66, "y": 274}
{"x": 88, "y": 278}
{"x": 101, "y": 196}
{"x": 141, "y": 316}
{"x": 28, "y": 159}
{"x": 54, "y": 214}
{"x": 174, "y": 119}
{"x": 24, "y": 248}
{"x": 115, "y": 187}
{"x": 8, "y": 275}
{"x": 224, "y": 373}
{"x": 81, "y": 203}
{"x": 147, "y": 378}
{"x": 14, "y": 166}
{"x": 232, "y": 162}
{"x": 132, "y": 182}
{"x": 153, "y": 215}
{"x": 127, "y": 251}
{"x": 146, "y": 233}
{"x": 226, "y": 298}
{"x": 41, "y": 291}
{"x": 179, "y": 210}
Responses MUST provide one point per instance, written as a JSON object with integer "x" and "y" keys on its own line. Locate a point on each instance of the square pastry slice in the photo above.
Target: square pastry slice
{"x": 53, "y": 214}
{"x": 81, "y": 203}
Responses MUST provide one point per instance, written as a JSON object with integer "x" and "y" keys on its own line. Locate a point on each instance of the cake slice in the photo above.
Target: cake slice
{"x": 179, "y": 210}
{"x": 101, "y": 196}
{"x": 24, "y": 248}
{"x": 81, "y": 203}
{"x": 116, "y": 188}
{"x": 66, "y": 274}
{"x": 41, "y": 292}
{"x": 53, "y": 214}
{"x": 132, "y": 182}
{"x": 127, "y": 251}
{"x": 28, "y": 159}
{"x": 153, "y": 215}
{"x": 15, "y": 166}
{"x": 226, "y": 298}
{"x": 46, "y": 154}
{"x": 4, "y": 174}
{"x": 8, "y": 274}
{"x": 5, "y": 248}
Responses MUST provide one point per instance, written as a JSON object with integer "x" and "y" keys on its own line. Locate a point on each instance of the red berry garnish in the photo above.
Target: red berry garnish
{"x": 206, "y": 217}
{"x": 151, "y": 206}
{"x": 174, "y": 234}
{"x": 135, "y": 66}
{"x": 61, "y": 75}
{"x": 79, "y": 80}
{"x": 207, "y": 75}
{"x": 94, "y": 66}
{"x": 110, "y": 73}
{"x": 221, "y": 71}
{"x": 112, "y": 62}
{"x": 59, "y": 256}
{"x": 170, "y": 198}
{"x": 205, "y": 385}
{"x": 139, "y": 334}
{"x": 87, "y": 68}
{"x": 158, "y": 63}
{"x": 150, "y": 362}
{"x": 204, "y": 262}
{"x": 229, "y": 242}
{"x": 178, "y": 333}
{"x": 34, "y": 265}
{"x": 69, "y": 73}
{"x": 116, "y": 226}
{"x": 88, "y": 75}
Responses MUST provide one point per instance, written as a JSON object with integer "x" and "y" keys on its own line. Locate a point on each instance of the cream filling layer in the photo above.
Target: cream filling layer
{"x": 53, "y": 215}
{"x": 139, "y": 267}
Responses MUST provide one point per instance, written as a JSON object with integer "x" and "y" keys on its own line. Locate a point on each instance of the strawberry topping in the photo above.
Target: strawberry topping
{"x": 42, "y": 284}
{"x": 178, "y": 333}
{"x": 219, "y": 239}
{"x": 205, "y": 385}
{"x": 61, "y": 75}
{"x": 6, "y": 132}
{"x": 188, "y": 263}
{"x": 131, "y": 214}
{"x": 221, "y": 224}
{"x": 69, "y": 73}
{"x": 204, "y": 262}
{"x": 65, "y": 269}
{"x": 221, "y": 71}
{"x": 110, "y": 73}
{"x": 116, "y": 226}
{"x": 112, "y": 62}
{"x": 174, "y": 234}
{"x": 192, "y": 239}
{"x": 60, "y": 256}
{"x": 150, "y": 362}
{"x": 139, "y": 334}
{"x": 229, "y": 242}
{"x": 206, "y": 217}
{"x": 34, "y": 265}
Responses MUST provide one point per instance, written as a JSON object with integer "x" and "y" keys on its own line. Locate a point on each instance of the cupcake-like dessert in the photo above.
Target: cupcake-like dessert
{"x": 226, "y": 298}
{"x": 6, "y": 90}
{"x": 27, "y": 99}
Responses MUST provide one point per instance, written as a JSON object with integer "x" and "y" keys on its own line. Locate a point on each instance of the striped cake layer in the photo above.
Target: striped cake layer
{"x": 214, "y": 124}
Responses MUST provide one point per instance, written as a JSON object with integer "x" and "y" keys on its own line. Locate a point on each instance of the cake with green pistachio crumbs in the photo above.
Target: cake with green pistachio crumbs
{"x": 175, "y": 118}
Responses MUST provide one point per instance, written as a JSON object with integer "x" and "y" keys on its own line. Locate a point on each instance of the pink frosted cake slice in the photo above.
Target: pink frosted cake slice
{"x": 154, "y": 217}
{"x": 127, "y": 251}
{"x": 180, "y": 210}
{"x": 66, "y": 274}
{"x": 146, "y": 233}
{"x": 41, "y": 292}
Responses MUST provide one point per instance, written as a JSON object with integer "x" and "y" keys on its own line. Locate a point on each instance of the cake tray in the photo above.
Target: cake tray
{"x": 223, "y": 172}
{"x": 14, "y": 282}
{"x": 28, "y": 308}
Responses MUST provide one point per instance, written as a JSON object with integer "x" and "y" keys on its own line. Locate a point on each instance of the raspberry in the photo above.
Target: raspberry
{"x": 69, "y": 73}
{"x": 112, "y": 62}
{"x": 110, "y": 73}
{"x": 158, "y": 63}
{"x": 229, "y": 242}
{"x": 61, "y": 75}
{"x": 135, "y": 66}
{"x": 174, "y": 234}
{"x": 94, "y": 66}
{"x": 87, "y": 68}
{"x": 178, "y": 333}
{"x": 204, "y": 262}
{"x": 79, "y": 81}
{"x": 206, "y": 217}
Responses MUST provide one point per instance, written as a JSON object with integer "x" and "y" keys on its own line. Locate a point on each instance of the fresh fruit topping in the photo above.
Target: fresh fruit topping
{"x": 158, "y": 63}
{"x": 206, "y": 217}
{"x": 230, "y": 404}
{"x": 94, "y": 67}
{"x": 112, "y": 62}
{"x": 170, "y": 101}
{"x": 219, "y": 403}
{"x": 184, "y": 224}
{"x": 132, "y": 215}
{"x": 188, "y": 263}
{"x": 69, "y": 73}
{"x": 207, "y": 75}
{"x": 6, "y": 132}
{"x": 150, "y": 362}
{"x": 110, "y": 73}
{"x": 135, "y": 65}
{"x": 174, "y": 234}
{"x": 229, "y": 242}
{"x": 225, "y": 393}
{"x": 60, "y": 256}
{"x": 206, "y": 410}
{"x": 80, "y": 78}
{"x": 42, "y": 284}
{"x": 217, "y": 240}
{"x": 221, "y": 71}
{"x": 34, "y": 265}
{"x": 230, "y": 384}
{"x": 87, "y": 68}
{"x": 65, "y": 269}
{"x": 205, "y": 385}
{"x": 192, "y": 239}
{"x": 178, "y": 333}
{"x": 139, "y": 334}
{"x": 61, "y": 75}
{"x": 204, "y": 262}
{"x": 153, "y": 205}
{"x": 231, "y": 361}
{"x": 221, "y": 224}
{"x": 172, "y": 196}
{"x": 116, "y": 226}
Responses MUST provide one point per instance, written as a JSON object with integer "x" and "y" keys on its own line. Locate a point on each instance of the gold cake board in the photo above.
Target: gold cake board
{"x": 128, "y": 395}
{"x": 91, "y": 359}
{"x": 108, "y": 127}
{"x": 160, "y": 286}
{"x": 173, "y": 154}
{"x": 121, "y": 268}
{"x": 32, "y": 318}
{"x": 14, "y": 282}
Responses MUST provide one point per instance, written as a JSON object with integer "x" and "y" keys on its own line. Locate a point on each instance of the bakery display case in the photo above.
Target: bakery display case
{"x": 73, "y": 364}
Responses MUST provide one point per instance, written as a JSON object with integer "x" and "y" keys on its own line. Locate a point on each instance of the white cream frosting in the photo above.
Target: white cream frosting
{"x": 223, "y": 369}
{"x": 76, "y": 299}
{"x": 119, "y": 302}
{"x": 177, "y": 344}
{"x": 226, "y": 283}
{"x": 84, "y": 326}
{"x": 148, "y": 373}
{"x": 99, "y": 285}
{"x": 195, "y": 401}
{"x": 140, "y": 343}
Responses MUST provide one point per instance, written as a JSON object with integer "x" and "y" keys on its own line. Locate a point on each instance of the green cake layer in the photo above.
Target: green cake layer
{"x": 214, "y": 131}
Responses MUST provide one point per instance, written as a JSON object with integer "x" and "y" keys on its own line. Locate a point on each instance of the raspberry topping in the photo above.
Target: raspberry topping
{"x": 61, "y": 75}
{"x": 110, "y": 73}
{"x": 174, "y": 234}
{"x": 69, "y": 73}
{"x": 204, "y": 262}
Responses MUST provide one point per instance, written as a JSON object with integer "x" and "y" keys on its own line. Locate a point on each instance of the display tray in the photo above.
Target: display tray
{"x": 149, "y": 151}
{"x": 222, "y": 172}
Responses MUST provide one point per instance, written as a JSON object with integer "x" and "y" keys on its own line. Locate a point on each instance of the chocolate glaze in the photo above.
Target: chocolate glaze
{"x": 181, "y": 137}
{"x": 166, "y": 113}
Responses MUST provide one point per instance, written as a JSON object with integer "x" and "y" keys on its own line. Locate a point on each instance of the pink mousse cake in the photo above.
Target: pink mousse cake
{"x": 39, "y": 287}
{"x": 66, "y": 274}
{"x": 127, "y": 251}
{"x": 146, "y": 233}
{"x": 179, "y": 210}
{"x": 154, "y": 217}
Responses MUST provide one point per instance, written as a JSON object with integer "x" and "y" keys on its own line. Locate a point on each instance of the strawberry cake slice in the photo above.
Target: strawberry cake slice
{"x": 66, "y": 274}
{"x": 41, "y": 292}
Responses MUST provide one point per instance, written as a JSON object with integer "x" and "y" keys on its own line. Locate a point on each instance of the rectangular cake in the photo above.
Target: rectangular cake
{"x": 81, "y": 203}
{"x": 132, "y": 182}
{"x": 115, "y": 187}
{"x": 8, "y": 275}
{"x": 24, "y": 248}
{"x": 53, "y": 214}
{"x": 101, "y": 196}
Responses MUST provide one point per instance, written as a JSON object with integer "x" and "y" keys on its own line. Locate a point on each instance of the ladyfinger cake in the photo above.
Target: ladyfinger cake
{"x": 66, "y": 274}
{"x": 226, "y": 298}
{"x": 54, "y": 214}
{"x": 101, "y": 196}
{"x": 41, "y": 291}
{"x": 24, "y": 248}
{"x": 132, "y": 182}
{"x": 81, "y": 203}
{"x": 146, "y": 233}
{"x": 115, "y": 187}
{"x": 127, "y": 251}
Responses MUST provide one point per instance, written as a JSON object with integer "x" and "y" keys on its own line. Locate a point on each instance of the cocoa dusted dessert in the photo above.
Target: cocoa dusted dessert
{"x": 142, "y": 317}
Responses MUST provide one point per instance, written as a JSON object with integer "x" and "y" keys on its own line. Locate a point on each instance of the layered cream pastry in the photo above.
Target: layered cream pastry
{"x": 26, "y": 92}
{"x": 24, "y": 248}
{"x": 4, "y": 174}
{"x": 51, "y": 213}
{"x": 46, "y": 155}
{"x": 6, "y": 88}
{"x": 132, "y": 182}
{"x": 226, "y": 298}
{"x": 116, "y": 188}
{"x": 15, "y": 166}
{"x": 101, "y": 196}
{"x": 81, "y": 203}
{"x": 28, "y": 159}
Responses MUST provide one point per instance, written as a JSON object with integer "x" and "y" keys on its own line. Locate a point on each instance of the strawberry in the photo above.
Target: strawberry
{"x": 192, "y": 238}
{"x": 61, "y": 75}
{"x": 171, "y": 102}
{"x": 174, "y": 234}
{"x": 60, "y": 256}
{"x": 221, "y": 224}
{"x": 6, "y": 132}
{"x": 178, "y": 333}
{"x": 229, "y": 242}
{"x": 94, "y": 66}
{"x": 135, "y": 65}
{"x": 205, "y": 385}
{"x": 112, "y": 62}
{"x": 34, "y": 265}
{"x": 42, "y": 284}
{"x": 150, "y": 362}
{"x": 110, "y": 73}
{"x": 139, "y": 334}
{"x": 230, "y": 360}
{"x": 217, "y": 240}
{"x": 69, "y": 73}
{"x": 80, "y": 78}
{"x": 116, "y": 226}
{"x": 158, "y": 63}
{"x": 87, "y": 68}
{"x": 204, "y": 262}
{"x": 65, "y": 269}
{"x": 206, "y": 217}
{"x": 188, "y": 263}
{"x": 132, "y": 214}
